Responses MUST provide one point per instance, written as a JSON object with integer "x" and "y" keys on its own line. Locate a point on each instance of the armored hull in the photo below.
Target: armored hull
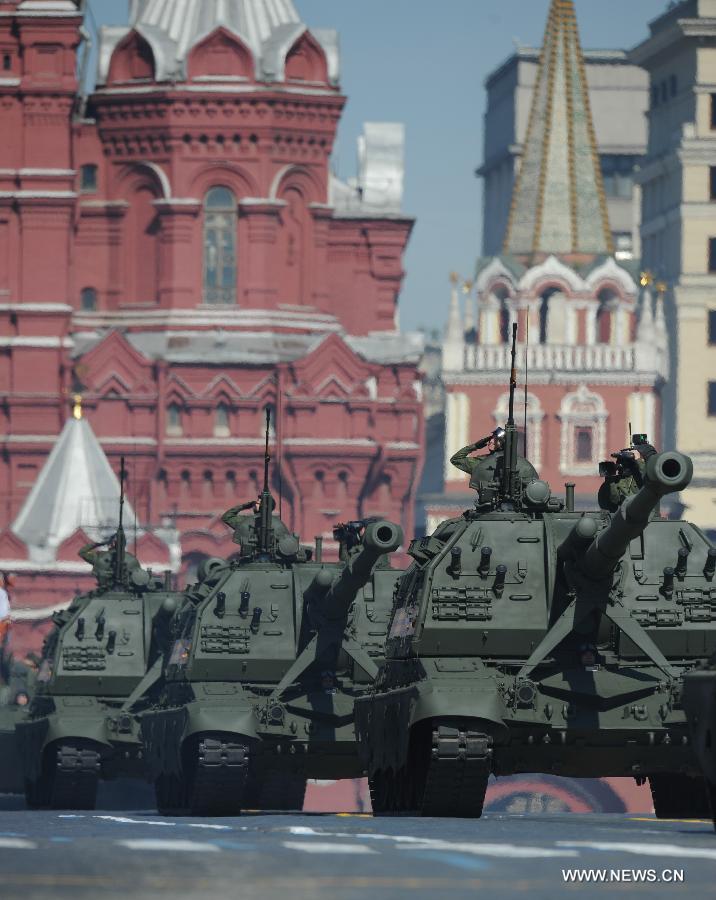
{"x": 99, "y": 667}
{"x": 269, "y": 657}
{"x": 530, "y": 639}
{"x": 700, "y": 706}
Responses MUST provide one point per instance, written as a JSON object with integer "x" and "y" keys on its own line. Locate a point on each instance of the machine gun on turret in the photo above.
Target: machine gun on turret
{"x": 332, "y": 600}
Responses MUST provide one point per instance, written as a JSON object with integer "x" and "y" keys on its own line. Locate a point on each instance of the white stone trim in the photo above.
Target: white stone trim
{"x": 457, "y": 429}
{"x": 641, "y": 412}
{"x": 494, "y": 271}
{"x": 161, "y": 175}
{"x": 551, "y": 269}
{"x": 225, "y": 317}
{"x": 44, "y": 342}
{"x": 161, "y": 87}
{"x": 58, "y": 172}
{"x": 572, "y": 417}
{"x": 135, "y": 441}
{"x": 28, "y": 438}
{"x": 610, "y": 271}
{"x": 36, "y": 307}
{"x": 328, "y": 442}
{"x": 38, "y": 195}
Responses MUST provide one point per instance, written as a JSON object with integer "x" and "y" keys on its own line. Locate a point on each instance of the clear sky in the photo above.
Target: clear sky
{"x": 423, "y": 62}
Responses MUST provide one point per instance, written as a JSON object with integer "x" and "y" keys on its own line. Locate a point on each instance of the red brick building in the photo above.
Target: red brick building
{"x": 175, "y": 249}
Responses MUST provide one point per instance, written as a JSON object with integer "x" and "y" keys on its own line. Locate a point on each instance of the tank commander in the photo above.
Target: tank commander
{"x": 485, "y": 471}
{"x": 244, "y": 526}
{"x": 624, "y": 476}
{"x": 103, "y": 561}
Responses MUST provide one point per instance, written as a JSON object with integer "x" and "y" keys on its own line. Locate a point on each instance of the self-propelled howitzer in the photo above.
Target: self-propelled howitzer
{"x": 101, "y": 663}
{"x": 271, "y": 651}
{"x": 527, "y": 637}
{"x": 268, "y": 658}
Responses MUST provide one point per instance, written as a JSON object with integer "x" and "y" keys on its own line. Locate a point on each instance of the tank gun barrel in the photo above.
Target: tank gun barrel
{"x": 665, "y": 473}
{"x": 333, "y": 602}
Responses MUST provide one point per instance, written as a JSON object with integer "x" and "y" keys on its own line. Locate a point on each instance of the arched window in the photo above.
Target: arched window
{"x": 504, "y": 322}
{"x": 88, "y": 299}
{"x": 88, "y": 179}
{"x": 222, "y": 426}
{"x": 584, "y": 444}
{"x": 604, "y": 317}
{"x": 220, "y": 247}
{"x": 584, "y": 430}
{"x": 174, "y": 422}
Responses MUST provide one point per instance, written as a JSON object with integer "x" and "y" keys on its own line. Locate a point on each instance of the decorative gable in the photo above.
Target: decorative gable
{"x": 132, "y": 60}
{"x": 332, "y": 369}
{"x": 221, "y": 54}
{"x": 11, "y": 547}
{"x": 114, "y": 365}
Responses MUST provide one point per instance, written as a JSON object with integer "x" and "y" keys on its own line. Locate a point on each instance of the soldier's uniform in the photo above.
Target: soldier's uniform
{"x": 486, "y": 471}
{"x": 103, "y": 562}
{"x": 613, "y": 493}
{"x": 244, "y": 527}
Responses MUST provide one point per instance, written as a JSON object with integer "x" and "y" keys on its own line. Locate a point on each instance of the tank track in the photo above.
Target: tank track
{"x": 219, "y": 778}
{"x": 69, "y": 782}
{"x": 680, "y": 797}
{"x": 459, "y": 767}
{"x": 446, "y": 776}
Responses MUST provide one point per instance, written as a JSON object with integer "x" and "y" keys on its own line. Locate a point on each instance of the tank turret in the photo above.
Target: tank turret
{"x": 271, "y": 649}
{"x": 332, "y": 600}
{"x": 665, "y": 474}
{"x": 512, "y": 648}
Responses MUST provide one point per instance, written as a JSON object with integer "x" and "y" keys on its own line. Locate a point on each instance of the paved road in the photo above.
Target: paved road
{"x": 142, "y": 856}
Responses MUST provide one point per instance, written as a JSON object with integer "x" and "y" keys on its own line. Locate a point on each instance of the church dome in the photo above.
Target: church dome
{"x": 173, "y": 29}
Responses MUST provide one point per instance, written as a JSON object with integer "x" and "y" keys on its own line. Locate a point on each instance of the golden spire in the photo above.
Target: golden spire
{"x": 77, "y": 408}
{"x": 646, "y": 278}
{"x": 558, "y": 201}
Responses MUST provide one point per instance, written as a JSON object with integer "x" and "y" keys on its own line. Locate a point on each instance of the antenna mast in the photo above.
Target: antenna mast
{"x": 510, "y": 455}
{"x": 266, "y": 506}
{"x": 120, "y": 539}
{"x": 527, "y": 349}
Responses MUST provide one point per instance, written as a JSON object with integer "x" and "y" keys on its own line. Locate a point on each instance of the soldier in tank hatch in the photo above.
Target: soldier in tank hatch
{"x": 103, "y": 561}
{"x": 624, "y": 476}
{"x": 244, "y": 527}
{"x": 486, "y": 471}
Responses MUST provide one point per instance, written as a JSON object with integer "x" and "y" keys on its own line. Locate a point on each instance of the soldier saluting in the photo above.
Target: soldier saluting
{"x": 486, "y": 471}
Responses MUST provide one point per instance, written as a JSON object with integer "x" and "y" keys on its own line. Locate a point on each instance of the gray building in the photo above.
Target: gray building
{"x": 619, "y": 98}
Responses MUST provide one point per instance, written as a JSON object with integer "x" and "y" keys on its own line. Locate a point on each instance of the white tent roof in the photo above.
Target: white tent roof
{"x": 77, "y": 488}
